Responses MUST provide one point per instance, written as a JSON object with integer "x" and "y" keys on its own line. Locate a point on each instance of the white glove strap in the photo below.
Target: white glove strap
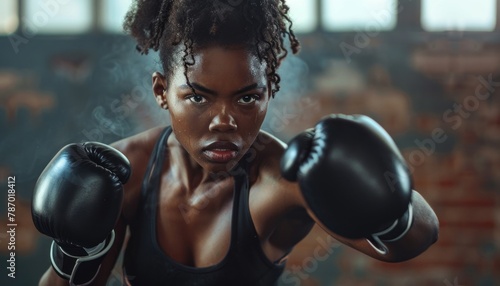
{"x": 93, "y": 253}
{"x": 381, "y": 247}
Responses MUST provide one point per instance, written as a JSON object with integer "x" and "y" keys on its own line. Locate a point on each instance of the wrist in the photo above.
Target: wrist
{"x": 77, "y": 264}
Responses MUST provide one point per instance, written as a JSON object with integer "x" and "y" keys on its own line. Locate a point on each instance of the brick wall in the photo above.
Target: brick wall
{"x": 407, "y": 86}
{"x": 446, "y": 121}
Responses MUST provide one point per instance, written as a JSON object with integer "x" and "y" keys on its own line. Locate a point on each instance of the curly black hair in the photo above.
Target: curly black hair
{"x": 261, "y": 26}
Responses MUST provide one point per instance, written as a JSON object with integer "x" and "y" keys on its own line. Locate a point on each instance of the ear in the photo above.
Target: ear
{"x": 160, "y": 89}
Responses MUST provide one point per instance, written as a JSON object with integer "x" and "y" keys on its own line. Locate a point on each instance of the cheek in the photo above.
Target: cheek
{"x": 259, "y": 118}
{"x": 261, "y": 111}
{"x": 184, "y": 119}
{"x": 253, "y": 123}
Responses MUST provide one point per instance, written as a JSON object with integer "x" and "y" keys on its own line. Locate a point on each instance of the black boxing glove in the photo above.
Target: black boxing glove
{"x": 77, "y": 201}
{"x": 353, "y": 178}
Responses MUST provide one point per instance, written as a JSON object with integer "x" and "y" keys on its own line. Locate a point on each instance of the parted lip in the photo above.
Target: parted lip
{"x": 221, "y": 145}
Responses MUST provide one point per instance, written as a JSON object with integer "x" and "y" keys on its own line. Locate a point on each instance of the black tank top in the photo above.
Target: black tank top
{"x": 245, "y": 263}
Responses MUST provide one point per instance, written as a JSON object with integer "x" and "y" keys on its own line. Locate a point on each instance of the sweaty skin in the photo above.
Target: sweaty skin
{"x": 212, "y": 129}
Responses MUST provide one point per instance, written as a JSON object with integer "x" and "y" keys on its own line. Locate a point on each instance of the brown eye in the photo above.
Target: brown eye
{"x": 198, "y": 99}
{"x": 248, "y": 99}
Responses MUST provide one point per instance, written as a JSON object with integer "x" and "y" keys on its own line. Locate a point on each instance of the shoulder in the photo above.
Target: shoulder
{"x": 277, "y": 204}
{"x": 269, "y": 150}
{"x": 265, "y": 155}
{"x": 137, "y": 149}
{"x": 139, "y": 143}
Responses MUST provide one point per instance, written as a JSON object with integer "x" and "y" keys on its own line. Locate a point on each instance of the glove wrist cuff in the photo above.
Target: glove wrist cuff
{"x": 393, "y": 233}
{"x": 80, "y": 269}
{"x": 399, "y": 228}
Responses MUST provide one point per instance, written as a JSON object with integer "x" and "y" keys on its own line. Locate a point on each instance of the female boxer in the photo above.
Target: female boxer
{"x": 212, "y": 199}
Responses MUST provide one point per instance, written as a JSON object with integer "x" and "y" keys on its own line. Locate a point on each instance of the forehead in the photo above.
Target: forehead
{"x": 227, "y": 64}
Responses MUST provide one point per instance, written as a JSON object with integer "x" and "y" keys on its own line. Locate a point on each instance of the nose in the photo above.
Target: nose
{"x": 223, "y": 121}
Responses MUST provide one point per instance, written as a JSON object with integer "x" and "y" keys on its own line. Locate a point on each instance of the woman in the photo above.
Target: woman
{"x": 206, "y": 202}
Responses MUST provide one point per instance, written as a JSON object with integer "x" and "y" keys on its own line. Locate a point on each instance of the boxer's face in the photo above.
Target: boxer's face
{"x": 219, "y": 123}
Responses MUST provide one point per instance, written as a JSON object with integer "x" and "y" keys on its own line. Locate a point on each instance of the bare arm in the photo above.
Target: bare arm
{"x": 51, "y": 278}
{"x": 422, "y": 234}
{"x": 110, "y": 260}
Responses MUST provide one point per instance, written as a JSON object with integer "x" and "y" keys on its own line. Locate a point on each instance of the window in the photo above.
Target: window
{"x": 113, "y": 14}
{"x": 303, "y": 15}
{"x": 9, "y": 21}
{"x": 62, "y": 16}
{"x": 362, "y": 15}
{"x": 462, "y": 15}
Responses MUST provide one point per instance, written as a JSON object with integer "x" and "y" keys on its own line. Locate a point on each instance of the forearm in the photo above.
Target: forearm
{"x": 422, "y": 234}
{"x": 50, "y": 278}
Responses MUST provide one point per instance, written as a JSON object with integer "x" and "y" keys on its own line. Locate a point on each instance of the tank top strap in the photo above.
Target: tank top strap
{"x": 155, "y": 165}
{"x": 244, "y": 224}
{"x": 246, "y": 234}
{"x": 145, "y": 264}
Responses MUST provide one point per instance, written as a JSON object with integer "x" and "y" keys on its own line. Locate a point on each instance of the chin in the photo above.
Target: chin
{"x": 222, "y": 170}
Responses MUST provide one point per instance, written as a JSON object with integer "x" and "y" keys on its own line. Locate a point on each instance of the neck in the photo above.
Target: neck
{"x": 191, "y": 174}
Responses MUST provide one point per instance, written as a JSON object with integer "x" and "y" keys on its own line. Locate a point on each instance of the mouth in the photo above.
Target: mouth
{"x": 221, "y": 151}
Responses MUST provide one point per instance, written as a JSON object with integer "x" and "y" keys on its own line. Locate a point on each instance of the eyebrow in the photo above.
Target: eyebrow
{"x": 211, "y": 92}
